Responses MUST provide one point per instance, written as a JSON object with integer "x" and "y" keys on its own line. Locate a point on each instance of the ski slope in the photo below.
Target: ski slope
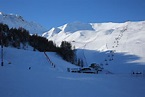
{"x": 94, "y": 43}
{"x": 43, "y": 80}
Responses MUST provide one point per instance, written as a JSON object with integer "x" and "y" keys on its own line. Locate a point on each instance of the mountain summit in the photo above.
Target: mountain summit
{"x": 76, "y": 26}
{"x": 16, "y": 21}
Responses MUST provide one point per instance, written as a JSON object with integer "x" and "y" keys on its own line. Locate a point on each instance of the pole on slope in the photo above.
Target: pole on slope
{"x": 2, "y": 63}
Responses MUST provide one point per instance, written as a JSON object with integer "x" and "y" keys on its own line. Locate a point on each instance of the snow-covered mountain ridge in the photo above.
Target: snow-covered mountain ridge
{"x": 125, "y": 38}
{"x": 16, "y": 21}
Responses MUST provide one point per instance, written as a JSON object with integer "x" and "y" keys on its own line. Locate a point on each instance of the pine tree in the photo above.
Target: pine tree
{"x": 67, "y": 52}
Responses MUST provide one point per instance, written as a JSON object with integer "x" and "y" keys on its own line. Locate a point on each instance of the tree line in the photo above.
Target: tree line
{"x": 20, "y": 38}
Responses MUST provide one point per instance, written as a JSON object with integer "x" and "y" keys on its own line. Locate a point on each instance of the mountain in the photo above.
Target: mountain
{"x": 16, "y": 21}
{"x": 94, "y": 41}
{"x": 119, "y": 48}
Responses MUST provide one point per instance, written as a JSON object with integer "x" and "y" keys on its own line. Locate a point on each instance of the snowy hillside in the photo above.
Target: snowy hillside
{"x": 94, "y": 42}
{"x": 118, "y": 47}
{"x": 42, "y": 80}
{"x": 17, "y": 21}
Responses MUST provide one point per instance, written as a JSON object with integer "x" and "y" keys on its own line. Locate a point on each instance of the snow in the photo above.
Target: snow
{"x": 16, "y": 21}
{"x": 1, "y": 13}
{"x": 43, "y": 80}
{"x": 122, "y": 42}
{"x": 125, "y": 38}
{"x": 53, "y": 31}
{"x": 76, "y": 26}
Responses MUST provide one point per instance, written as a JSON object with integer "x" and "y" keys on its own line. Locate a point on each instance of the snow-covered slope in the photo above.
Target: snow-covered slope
{"x": 31, "y": 74}
{"x": 126, "y": 40}
{"x": 43, "y": 80}
{"x": 76, "y": 26}
{"x": 17, "y": 21}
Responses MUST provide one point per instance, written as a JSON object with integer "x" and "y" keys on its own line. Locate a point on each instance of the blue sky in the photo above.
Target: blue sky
{"x": 54, "y": 13}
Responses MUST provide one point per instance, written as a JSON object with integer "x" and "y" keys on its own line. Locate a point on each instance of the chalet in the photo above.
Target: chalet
{"x": 88, "y": 70}
{"x": 75, "y": 70}
{"x": 94, "y": 68}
